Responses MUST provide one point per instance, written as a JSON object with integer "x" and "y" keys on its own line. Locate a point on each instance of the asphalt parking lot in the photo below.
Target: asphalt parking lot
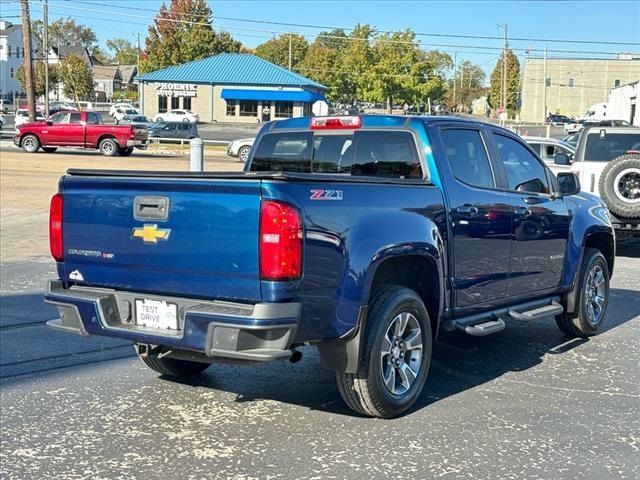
{"x": 526, "y": 403}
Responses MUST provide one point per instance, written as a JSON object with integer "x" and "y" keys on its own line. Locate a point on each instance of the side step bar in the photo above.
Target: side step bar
{"x": 485, "y": 323}
{"x": 485, "y": 328}
{"x": 538, "y": 313}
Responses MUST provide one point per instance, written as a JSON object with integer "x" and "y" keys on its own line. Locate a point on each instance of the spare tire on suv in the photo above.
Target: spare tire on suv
{"x": 620, "y": 185}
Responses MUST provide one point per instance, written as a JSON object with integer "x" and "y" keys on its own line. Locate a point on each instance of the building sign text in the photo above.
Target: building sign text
{"x": 176, "y": 89}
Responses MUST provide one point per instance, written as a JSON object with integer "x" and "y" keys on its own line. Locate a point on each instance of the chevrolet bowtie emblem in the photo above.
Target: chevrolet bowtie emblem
{"x": 151, "y": 233}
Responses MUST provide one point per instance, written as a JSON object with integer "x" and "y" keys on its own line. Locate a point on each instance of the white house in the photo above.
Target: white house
{"x": 11, "y": 57}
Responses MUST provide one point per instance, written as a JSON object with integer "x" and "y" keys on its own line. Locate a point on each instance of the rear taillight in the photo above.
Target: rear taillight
{"x": 55, "y": 227}
{"x": 280, "y": 241}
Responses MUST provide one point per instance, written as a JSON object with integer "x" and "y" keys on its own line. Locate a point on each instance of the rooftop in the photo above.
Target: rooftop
{"x": 231, "y": 68}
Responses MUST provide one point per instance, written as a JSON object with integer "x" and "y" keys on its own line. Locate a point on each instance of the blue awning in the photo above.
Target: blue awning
{"x": 271, "y": 95}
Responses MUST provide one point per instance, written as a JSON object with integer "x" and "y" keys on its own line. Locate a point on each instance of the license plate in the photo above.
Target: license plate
{"x": 156, "y": 314}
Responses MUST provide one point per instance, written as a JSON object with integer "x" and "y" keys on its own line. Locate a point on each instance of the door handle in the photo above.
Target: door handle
{"x": 151, "y": 208}
{"x": 522, "y": 212}
{"x": 467, "y": 209}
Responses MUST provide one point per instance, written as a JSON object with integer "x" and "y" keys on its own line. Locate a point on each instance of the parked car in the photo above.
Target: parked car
{"x": 80, "y": 129}
{"x": 555, "y": 119}
{"x": 547, "y": 148}
{"x": 121, "y": 112}
{"x": 240, "y": 148}
{"x": 581, "y": 124}
{"x": 186, "y": 130}
{"x": 55, "y": 107}
{"x": 607, "y": 160}
{"x": 177, "y": 116}
{"x": 22, "y": 117}
{"x": 355, "y": 243}
{"x": 137, "y": 120}
{"x": 121, "y": 105}
{"x": 5, "y": 105}
{"x": 2, "y": 120}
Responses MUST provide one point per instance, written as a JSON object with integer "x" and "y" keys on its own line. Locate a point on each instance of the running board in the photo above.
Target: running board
{"x": 485, "y": 328}
{"x": 538, "y": 313}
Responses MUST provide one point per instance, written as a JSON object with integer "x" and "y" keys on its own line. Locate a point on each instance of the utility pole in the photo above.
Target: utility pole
{"x": 504, "y": 70}
{"x": 290, "y": 52}
{"x": 45, "y": 49}
{"x": 455, "y": 74}
{"x": 544, "y": 88}
{"x": 28, "y": 66}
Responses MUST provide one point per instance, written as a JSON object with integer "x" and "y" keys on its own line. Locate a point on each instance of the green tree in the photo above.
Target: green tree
{"x": 469, "y": 84}
{"x": 513, "y": 80}
{"x": 122, "y": 51}
{"x": 182, "y": 32}
{"x": 65, "y": 31}
{"x": 76, "y": 77}
{"x": 357, "y": 62}
{"x": 276, "y": 50}
{"x": 323, "y": 63}
{"x": 39, "y": 78}
{"x": 403, "y": 72}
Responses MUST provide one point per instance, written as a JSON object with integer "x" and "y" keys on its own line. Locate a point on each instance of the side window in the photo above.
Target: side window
{"x": 386, "y": 154}
{"x": 468, "y": 157}
{"x": 74, "y": 118}
{"x": 524, "y": 172}
{"x": 93, "y": 118}
{"x": 59, "y": 118}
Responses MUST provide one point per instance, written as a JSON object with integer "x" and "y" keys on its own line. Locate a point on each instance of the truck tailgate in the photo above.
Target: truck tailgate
{"x": 206, "y": 247}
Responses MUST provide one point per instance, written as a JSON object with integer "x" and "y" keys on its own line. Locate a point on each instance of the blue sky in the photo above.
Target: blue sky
{"x": 592, "y": 21}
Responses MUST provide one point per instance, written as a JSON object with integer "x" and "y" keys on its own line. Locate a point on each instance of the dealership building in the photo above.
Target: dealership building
{"x": 229, "y": 87}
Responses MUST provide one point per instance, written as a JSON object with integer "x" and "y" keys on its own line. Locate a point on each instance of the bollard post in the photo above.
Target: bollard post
{"x": 548, "y": 135}
{"x": 197, "y": 155}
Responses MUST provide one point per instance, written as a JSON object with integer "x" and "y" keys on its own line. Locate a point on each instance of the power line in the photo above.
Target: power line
{"x": 324, "y": 27}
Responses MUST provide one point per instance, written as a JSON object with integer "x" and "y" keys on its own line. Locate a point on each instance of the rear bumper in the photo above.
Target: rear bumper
{"x": 254, "y": 333}
{"x": 136, "y": 143}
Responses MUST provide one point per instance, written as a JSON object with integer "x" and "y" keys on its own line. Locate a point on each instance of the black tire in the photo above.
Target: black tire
{"x": 30, "y": 143}
{"x": 125, "y": 152}
{"x": 173, "y": 367}
{"x": 185, "y": 120}
{"x": 243, "y": 153}
{"x": 580, "y": 323}
{"x": 49, "y": 149}
{"x": 109, "y": 147}
{"x": 365, "y": 392}
{"x": 620, "y": 185}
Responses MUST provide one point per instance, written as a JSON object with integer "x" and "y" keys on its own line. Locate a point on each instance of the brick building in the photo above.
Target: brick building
{"x": 569, "y": 86}
{"x": 229, "y": 87}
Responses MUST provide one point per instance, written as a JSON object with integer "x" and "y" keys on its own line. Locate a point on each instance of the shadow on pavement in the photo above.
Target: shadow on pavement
{"x": 460, "y": 362}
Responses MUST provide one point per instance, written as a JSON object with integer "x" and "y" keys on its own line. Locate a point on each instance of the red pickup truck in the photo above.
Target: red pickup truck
{"x": 80, "y": 129}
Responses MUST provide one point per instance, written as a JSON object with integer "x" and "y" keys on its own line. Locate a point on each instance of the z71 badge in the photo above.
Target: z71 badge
{"x": 326, "y": 195}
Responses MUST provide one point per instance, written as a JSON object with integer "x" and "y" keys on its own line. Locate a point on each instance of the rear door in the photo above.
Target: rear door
{"x": 184, "y": 237}
{"x": 480, "y": 216}
{"x": 74, "y": 130}
{"x": 540, "y": 226}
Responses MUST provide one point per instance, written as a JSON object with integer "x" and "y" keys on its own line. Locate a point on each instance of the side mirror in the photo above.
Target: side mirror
{"x": 562, "y": 159}
{"x": 568, "y": 183}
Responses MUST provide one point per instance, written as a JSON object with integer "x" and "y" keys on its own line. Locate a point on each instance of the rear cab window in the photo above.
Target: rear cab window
{"x": 602, "y": 146}
{"x": 370, "y": 153}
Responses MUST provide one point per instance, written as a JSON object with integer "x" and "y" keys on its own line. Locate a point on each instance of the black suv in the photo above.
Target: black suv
{"x": 558, "y": 119}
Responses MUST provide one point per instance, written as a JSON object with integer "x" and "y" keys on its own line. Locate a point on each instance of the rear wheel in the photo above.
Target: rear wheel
{"x": 172, "y": 366}
{"x": 243, "y": 153}
{"x": 125, "y": 152}
{"x": 108, "y": 147}
{"x": 30, "y": 143}
{"x": 396, "y": 356}
{"x": 593, "y": 297}
{"x": 49, "y": 149}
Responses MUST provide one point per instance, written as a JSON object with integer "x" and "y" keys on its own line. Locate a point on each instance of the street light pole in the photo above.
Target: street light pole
{"x": 45, "y": 49}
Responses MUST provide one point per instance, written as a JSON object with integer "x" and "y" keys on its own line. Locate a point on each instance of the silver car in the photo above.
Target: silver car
{"x": 546, "y": 148}
{"x": 240, "y": 148}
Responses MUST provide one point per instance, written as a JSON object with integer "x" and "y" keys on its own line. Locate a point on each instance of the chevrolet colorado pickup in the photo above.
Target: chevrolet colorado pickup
{"x": 364, "y": 236}
{"x": 79, "y": 129}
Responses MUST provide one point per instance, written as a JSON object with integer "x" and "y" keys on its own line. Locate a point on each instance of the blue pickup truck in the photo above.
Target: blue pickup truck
{"x": 363, "y": 236}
